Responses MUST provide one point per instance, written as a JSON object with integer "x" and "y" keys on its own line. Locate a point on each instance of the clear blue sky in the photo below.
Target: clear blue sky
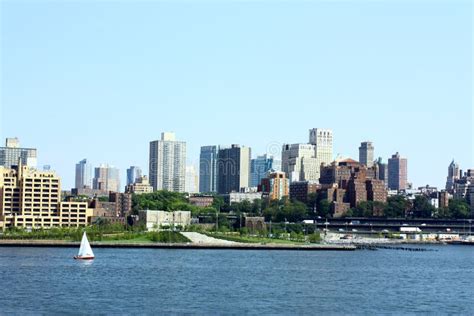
{"x": 100, "y": 80}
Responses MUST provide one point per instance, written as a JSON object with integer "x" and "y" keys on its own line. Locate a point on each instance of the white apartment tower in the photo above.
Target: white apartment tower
{"x": 167, "y": 164}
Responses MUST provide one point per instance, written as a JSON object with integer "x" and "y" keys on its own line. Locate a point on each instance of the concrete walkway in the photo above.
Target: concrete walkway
{"x": 197, "y": 238}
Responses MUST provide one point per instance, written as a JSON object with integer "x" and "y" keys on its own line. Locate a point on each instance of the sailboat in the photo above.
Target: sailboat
{"x": 85, "y": 251}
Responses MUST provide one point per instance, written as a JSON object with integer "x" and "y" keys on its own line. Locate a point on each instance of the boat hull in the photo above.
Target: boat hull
{"x": 83, "y": 258}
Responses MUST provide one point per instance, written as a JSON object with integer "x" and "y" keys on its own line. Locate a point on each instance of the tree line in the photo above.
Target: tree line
{"x": 286, "y": 210}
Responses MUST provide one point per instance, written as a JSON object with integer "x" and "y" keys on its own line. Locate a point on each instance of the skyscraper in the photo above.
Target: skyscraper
{"x": 106, "y": 178}
{"x": 259, "y": 168}
{"x": 381, "y": 171}
{"x": 322, "y": 139}
{"x": 12, "y": 153}
{"x": 167, "y": 164}
{"x": 83, "y": 174}
{"x": 397, "y": 173}
{"x": 366, "y": 154}
{"x": 233, "y": 169}
{"x": 192, "y": 180}
{"x": 133, "y": 173}
{"x": 208, "y": 169}
{"x": 302, "y": 162}
{"x": 454, "y": 173}
{"x": 299, "y": 163}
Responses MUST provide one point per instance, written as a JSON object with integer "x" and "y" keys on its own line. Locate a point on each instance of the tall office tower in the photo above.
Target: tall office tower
{"x": 454, "y": 173}
{"x": 107, "y": 179}
{"x": 322, "y": 140}
{"x": 381, "y": 171}
{"x": 208, "y": 169}
{"x": 299, "y": 163}
{"x": 276, "y": 165}
{"x": 192, "y": 180}
{"x": 233, "y": 169}
{"x": 83, "y": 174}
{"x": 397, "y": 173}
{"x": 133, "y": 173}
{"x": 11, "y": 154}
{"x": 366, "y": 154}
{"x": 167, "y": 164}
{"x": 259, "y": 168}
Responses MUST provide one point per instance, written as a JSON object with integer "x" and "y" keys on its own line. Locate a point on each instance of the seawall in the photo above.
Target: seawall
{"x": 240, "y": 246}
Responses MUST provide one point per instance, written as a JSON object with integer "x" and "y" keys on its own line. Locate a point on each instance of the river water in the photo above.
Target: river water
{"x": 150, "y": 281}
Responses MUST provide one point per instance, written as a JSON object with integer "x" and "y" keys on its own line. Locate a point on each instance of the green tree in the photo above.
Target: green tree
{"x": 397, "y": 206}
{"x": 257, "y": 206}
{"x": 218, "y": 202}
{"x": 422, "y": 207}
{"x": 443, "y": 212}
{"x": 312, "y": 201}
{"x": 364, "y": 209}
{"x": 315, "y": 237}
{"x": 459, "y": 209}
{"x": 324, "y": 208}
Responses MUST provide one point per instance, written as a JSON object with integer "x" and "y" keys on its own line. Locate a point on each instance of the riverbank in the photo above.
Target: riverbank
{"x": 67, "y": 244}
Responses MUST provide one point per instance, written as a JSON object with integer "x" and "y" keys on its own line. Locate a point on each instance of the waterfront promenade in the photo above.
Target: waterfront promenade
{"x": 216, "y": 246}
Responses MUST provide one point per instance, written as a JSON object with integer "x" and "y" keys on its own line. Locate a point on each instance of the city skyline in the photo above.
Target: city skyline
{"x": 198, "y": 71}
{"x": 123, "y": 173}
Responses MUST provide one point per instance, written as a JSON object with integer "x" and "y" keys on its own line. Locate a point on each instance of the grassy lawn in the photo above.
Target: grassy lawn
{"x": 137, "y": 240}
{"x": 115, "y": 238}
{"x": 254, "y": 240}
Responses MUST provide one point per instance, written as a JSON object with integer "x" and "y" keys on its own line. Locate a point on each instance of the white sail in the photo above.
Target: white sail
{"x": 85, "y": 250}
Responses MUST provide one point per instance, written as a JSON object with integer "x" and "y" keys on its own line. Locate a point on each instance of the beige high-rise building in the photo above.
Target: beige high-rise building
{"x": 302, "y": 162}
{"x": 299, "y": 162}
{"x": 167, "y": 164}
{"x": 322, "y": 139}
{"x": 32, "y": 199}
{"x": 106, "y": 179}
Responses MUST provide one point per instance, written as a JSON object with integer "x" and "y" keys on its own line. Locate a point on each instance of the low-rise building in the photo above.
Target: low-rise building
{"x": 255, "y": 224}
{"x": 32, "y": 199}
{"x": 154, "y": 220}
{"x": 115, "y": 210}
{"x": 239, "y": 197}
{"x": 444, "y": 198}
{"x": 346, "y": 183}
{"x": 123, "y": 203}
{"x": 300, "y": 190}
{"x": 275, "y": 186}
{"x": 107, "y": 215}
{"x": 140, "y": 186}
{"x": 201, "y": 200}
{"x": 89, "y": 192}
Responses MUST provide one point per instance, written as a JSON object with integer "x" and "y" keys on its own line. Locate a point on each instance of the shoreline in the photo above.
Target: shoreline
{"x": 190, "y": 246}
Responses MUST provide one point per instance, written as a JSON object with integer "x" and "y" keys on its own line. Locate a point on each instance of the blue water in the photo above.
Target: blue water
{"x": 136, "y": 281}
